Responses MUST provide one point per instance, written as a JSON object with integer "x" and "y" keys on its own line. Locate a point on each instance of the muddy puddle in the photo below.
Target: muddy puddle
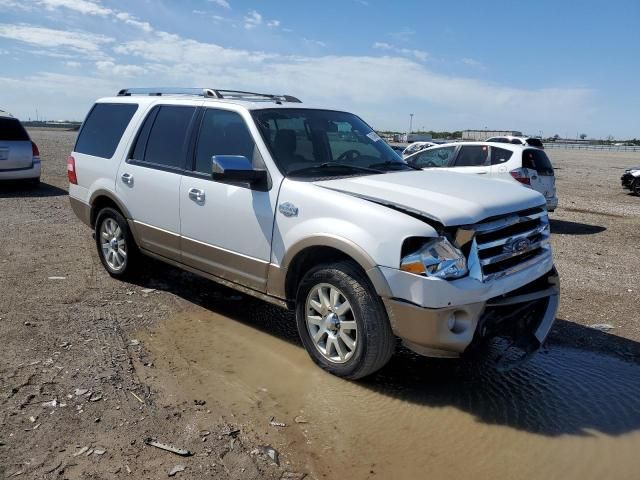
{"x": 567, "y": 413}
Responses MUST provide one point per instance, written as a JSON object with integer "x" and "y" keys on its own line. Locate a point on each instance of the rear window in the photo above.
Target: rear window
{"x": 537, "y": 160}
{"x": 103, "y": 128}
{"x": 500, "y": 155}
{"x": 12, "y": 130}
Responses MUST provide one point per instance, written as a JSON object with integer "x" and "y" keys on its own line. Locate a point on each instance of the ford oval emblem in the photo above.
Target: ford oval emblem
{"x": 288, "y": 209}
{"x": 518, "y": 245}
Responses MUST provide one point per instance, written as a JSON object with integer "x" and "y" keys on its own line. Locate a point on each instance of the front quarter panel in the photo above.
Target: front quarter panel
{"x": 371, "y": 233}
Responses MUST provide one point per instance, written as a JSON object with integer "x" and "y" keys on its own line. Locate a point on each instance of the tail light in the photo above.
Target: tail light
{"x": 35, "y": 152}
{"x": 71, "y": 170}
{"x": 521, "y": 175}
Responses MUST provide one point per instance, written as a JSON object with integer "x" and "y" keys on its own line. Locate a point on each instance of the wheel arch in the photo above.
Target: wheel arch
{"x": 318, "y": 250}
{"x": 103, "y": 198}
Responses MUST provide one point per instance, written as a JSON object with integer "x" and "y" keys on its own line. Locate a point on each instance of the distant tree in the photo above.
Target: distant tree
{"x": 610, "y": 138}
{"x": 556, "y": 137}
{"x": 583, "y": 136}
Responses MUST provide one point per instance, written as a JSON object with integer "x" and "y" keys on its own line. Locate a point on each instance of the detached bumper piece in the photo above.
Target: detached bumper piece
{"x": 523, "y": 317}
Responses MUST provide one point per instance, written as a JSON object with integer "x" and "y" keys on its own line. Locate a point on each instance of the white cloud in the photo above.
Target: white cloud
{"x": 131, "y": 20}
{"x": 221, "y": 3}
{"x": 252, "y": 20}
{"x": 472, "y": 63}
{"x": 119, "y": 69}
{"x": 273, "y": 23}
{"x": 86, "y": 7}
{"x": 407, "y": 52}
{"x": 51, "y": 39}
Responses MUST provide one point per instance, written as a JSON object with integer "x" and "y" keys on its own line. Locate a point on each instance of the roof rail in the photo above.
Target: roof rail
{"x": 209, "y": 93}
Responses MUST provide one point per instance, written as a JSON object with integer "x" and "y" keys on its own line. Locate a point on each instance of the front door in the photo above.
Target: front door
{"x": 149, "y": 182}
{"x": 226, "y": 228}
{"x": 473, "y": 159}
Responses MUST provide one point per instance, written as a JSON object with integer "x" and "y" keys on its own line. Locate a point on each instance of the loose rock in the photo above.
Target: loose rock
{"x": 176, "y": 469}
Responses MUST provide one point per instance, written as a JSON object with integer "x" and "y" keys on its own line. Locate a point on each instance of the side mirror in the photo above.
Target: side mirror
{"x": 236, "y": 168}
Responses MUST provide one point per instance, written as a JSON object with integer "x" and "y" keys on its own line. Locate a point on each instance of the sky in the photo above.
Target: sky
{"x": 545, "y": 67}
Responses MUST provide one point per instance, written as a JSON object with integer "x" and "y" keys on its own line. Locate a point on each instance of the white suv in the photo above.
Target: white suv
{"x": 528, "y": 166}
{"x": 309, "y": 209}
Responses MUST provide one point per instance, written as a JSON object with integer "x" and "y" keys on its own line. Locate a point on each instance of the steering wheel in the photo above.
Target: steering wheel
{"x": 348, "y": 155}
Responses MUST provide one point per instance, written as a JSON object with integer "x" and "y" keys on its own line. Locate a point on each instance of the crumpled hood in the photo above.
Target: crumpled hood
{"x": 448, "y": 197}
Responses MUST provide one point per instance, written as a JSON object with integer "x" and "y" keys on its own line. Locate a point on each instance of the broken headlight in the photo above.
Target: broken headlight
{"x": 436, "y": 258}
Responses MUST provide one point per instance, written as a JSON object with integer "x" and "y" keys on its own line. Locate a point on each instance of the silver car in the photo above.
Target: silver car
{"x": 19, "y": 156}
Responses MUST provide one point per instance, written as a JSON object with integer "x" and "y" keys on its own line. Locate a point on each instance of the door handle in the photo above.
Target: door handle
{"x": 127, "y": 179}
{"x": 196, "y": 195}
{"x": 481, "y": 173}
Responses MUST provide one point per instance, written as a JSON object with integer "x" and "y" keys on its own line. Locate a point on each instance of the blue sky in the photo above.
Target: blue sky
{"x": 550, "y": 66}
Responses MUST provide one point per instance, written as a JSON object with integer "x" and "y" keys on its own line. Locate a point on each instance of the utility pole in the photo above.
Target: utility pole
{"x": 410, "y": 122}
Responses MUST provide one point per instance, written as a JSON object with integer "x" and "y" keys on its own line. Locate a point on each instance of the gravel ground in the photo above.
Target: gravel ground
{"x": 74, "y": 375}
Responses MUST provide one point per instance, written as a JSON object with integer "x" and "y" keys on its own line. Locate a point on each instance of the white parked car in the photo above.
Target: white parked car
{"x": 265, "y": 195}
{"x": 527, "y": 166}
{"x": 19, "y": 156}
{"x": 527, "y": 141}
{"x": 416, "y": 147}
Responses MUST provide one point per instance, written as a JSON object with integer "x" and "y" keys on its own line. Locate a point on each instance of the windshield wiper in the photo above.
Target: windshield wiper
{"x": 390, "y": 163}
{"x": 334, "y": 164}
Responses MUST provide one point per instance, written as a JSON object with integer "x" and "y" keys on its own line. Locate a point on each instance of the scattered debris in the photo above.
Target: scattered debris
{"x": 95, "y": 397}
{"x": 134, "y": 342}
{"x": 137, "y": 398}
{"x": 273, "y": 423}
{"x": 603, "y": 327}
{"x": 176, "y": 469}
{"x": 300, "y": 419}
{"x": 163, "y": 446}
{"x": 53, "y": 403}
{"x": 199, "y": 402}
{"x": 148, "y": 290}
{"x": 33, "y": 419}
{"x": 80, "y": 391}
{"x": 268, "y": 451}
{"x": 229, "y": 430}
{"x": 57, "y": 278}
{"x": 81, "y": 451}
{"x": 99, "y": 451}
{"x": 293, "y": 476}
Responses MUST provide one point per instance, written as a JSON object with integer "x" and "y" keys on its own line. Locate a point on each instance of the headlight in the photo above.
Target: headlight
{"x": 436, "y": 258}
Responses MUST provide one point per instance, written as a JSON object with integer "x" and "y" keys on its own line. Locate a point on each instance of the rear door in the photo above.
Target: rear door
{"x": 15, "y": 146}
{"x": 473, "y": 159}
{"x": 541, "y": 171}
{"x": 148, "y": 183}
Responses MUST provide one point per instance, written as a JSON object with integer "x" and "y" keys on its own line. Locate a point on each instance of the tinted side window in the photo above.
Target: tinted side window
{"x": 535, "y": 142}
{"x": 12, "y": 130}
{"x": 223, "y": 133}
{"x": 167, "y": 139}
{"x": 537, "y": 160}
{"x": 500, "y": 155}
{"x": 473, "y": 156}
{"x": 437, "y": 157}
{"x": 498, "y": 140}
{"x": 103, "y": 128}
{"x": 143, "y": 135}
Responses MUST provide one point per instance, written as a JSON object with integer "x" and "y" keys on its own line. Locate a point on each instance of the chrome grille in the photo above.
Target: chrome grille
{"x": 505, "y": 245}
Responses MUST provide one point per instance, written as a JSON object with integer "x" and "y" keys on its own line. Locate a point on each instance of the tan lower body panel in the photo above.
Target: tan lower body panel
{"x": 223, "y": 263}
{"x": 156, "y": 240}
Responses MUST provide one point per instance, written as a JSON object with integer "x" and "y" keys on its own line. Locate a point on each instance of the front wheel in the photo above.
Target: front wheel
{"x": 116, "y": 247}
{"x": 342, "y": 322}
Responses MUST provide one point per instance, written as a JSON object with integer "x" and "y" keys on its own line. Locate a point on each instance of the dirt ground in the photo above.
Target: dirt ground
{"x": 91, "y": 368}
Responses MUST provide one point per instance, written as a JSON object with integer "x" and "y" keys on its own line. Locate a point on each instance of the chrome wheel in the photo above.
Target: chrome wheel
{"x": 113, "y": 244}
{"x": 331, "y": 323}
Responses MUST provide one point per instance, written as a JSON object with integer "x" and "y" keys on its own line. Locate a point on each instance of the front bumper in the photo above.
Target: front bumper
{"x": 449, "y": 330}
{"x": 552, "y": 203}
{"x": 29, "y": 173}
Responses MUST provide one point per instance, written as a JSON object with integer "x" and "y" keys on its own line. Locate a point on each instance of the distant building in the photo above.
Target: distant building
{"x": 479, "y": 135}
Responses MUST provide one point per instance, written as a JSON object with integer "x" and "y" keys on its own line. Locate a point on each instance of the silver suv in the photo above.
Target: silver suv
{"x": 309, "y": 209}
{"x": 19, "y": 156}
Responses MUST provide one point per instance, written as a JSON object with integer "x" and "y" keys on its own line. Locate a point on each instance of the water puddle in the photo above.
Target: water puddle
{"x": 566, "y": 414}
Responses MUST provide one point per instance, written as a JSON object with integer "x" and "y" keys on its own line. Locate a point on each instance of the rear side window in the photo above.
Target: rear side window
{"x": 103, "y": 128}
{"x": 537, "y": 160}
{"x": 500, "y": 155}
{"x": 162, "y": 138}
{"x": 499, "y": 140}
{"x": 473, "y": 156}
{"x": 222, "y": 133}
{"x": 516, "y": 141}
{"x": 11, "y": 130}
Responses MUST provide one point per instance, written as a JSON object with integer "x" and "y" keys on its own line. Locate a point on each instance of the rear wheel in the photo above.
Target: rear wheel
{"x": 116, "y": 247}
{"x": 635, "y": 187}
{"x": 342, "y": 321}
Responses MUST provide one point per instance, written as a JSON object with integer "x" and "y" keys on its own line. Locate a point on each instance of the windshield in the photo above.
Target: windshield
{"x": 324, "y": 143}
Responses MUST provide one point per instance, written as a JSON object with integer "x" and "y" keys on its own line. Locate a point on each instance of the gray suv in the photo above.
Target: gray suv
{"x": 19, "y": 156}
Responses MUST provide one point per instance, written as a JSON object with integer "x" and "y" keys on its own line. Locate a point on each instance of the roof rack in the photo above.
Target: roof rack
{"x": 210, "y": 93}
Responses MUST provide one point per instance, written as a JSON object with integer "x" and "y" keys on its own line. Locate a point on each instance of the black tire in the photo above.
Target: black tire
{"x": 635, "y": 187}
{"x": 129, "y": 267}
{"x": 375, "y": 340}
